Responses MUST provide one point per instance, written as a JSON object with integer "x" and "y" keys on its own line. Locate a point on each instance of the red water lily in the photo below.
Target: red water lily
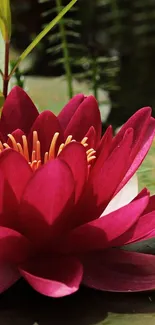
{"x": 66, "y": 208}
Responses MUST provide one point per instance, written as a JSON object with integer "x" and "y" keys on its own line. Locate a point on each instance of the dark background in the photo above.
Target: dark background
{"x": 110, "y": 43}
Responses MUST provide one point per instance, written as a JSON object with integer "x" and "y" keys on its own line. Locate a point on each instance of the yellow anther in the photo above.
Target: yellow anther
{"x": 33, "y": 157}
{"x": 90, "y": 158}
{"x": 6, "y": 145}
{"x": 84, "y": 140}
{"x": 14, "y": 143}
{"x": 53, "y": 145}
{"x": 1, "y": 146}
{"x": 35, "y": 139}
{"x": 25, "y": 148}
{"x": 46, "y": 156}
{"x": 61, "y": 148}
{"x": 68, "y": 140}
{"x": 38, "y": 153}
{"x": 38, "y": 163}
{"x": 20, "y": 149}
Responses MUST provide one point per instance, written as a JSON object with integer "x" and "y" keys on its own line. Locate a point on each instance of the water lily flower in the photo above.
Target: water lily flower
{"x": 69, "y": 200}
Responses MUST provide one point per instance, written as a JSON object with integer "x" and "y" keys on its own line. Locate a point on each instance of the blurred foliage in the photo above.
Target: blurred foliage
{"x": 108, "y": 43}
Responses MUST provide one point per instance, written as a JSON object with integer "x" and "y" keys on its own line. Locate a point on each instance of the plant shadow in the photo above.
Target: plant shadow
{"x": 21, "y": 305}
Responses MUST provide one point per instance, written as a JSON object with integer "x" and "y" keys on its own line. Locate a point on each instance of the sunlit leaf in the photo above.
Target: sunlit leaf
{"x": 5, "y": 19}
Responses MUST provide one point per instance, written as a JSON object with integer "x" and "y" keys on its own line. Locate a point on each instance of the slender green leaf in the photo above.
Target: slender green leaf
{"x": 5, "y": 19}
{"x": 43, "y": 33}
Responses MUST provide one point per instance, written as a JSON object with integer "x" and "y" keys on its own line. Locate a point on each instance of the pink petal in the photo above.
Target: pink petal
{"x": 91, "y": 135}
{"x": 74, "y": 155}
{"x": 103, "y": 150}
{"x": 119, "y": 271}
{"x": 54, "y": 277}
{"x": 99, "y": 234}
{"x": 16, "y": 171}
{"x": 142, "y": 230}
{"x": 18, "y": 112}
{"x": 8, "y": 275}
{"x": 46, "y": 126}
{"x": 86, "y": 115}
{"x": 14, "y": 247}
{"x": 47, "y": 200}
{"x": 69, "y": 110}
{"x": 143, "y": 150}
{"x": 151, "y": 206}
{"x": 139, "y": 123}
{"x": 102, "y": 184}
{"x": 124, "y": 196}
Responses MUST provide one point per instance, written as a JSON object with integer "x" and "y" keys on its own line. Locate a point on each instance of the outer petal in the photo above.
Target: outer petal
{"x": 47, "y": 200}
{"x": 74, "y": 155}
{"x": 102, "y": 185}
{"x": 144, "y": 229}
{"x": 139, "y": 123}
{"x": 55, "y": 277}
{"x": 99, "y": 233}
{"x": 14, "y": 247}
{"x": 69, "y": 110}
{"x": 119, "y": 271}
{"x": 86, "y": 115}
{"x": 18, "y": 112}
{"x": 138, "y": 153}
{"x": 8, "y": 275}
{"x": 124, "y": 196}
{"x": 46, "y": 126}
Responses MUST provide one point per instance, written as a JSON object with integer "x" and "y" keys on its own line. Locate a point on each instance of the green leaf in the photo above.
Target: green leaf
{"x": 1, "y": 100}
{"x": 5, "y": 19}
{"x": 43, "y": 33}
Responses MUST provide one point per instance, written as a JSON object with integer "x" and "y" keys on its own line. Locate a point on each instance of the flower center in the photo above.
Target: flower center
{"x": 34, "y": 159}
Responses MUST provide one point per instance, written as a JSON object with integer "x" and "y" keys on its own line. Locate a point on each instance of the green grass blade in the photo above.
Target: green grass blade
{"x": 42, "y": 34}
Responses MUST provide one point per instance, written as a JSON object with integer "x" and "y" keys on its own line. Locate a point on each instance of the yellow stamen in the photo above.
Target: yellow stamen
{"x": 91, "y": 154}
{"x": 46, "y": 157}
{"x": 14, "y": 143}
{"x": 34, "y": 165}
{"x": 6, "y": 145}
{"x": 35, "y": 139}
{"x": 89, "y": 150}
{"x": 53, "y": 145}
{"x": 1, "y": 146}
{"x": 38, "y": 163}
{"x": 25, "y": 148}
{"x": 84, "y": 140}
{"x": 38, "y": 151}
{"x": 91, "y": 158}
{"x": 34, "y": 159}
{"x": 61, "y": 148}
{"x": 69, "y": 139}
{"x": 20, "y": 149}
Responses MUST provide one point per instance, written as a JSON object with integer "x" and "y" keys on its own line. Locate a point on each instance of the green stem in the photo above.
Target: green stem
{"x": 6, "y": 69}
{"x": 65, "y": 51}
{"x": 95, "y": 84}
